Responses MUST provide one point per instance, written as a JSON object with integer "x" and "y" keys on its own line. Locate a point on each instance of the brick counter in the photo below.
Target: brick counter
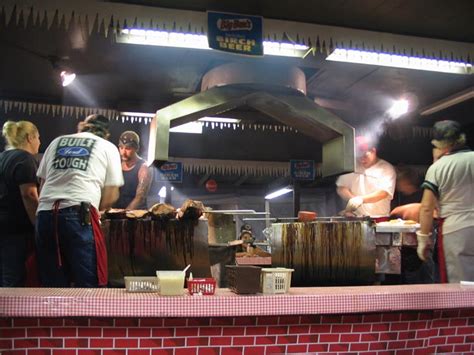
{"x": 373, "y": 319}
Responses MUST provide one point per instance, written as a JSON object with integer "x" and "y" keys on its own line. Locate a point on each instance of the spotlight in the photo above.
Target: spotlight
{"x": 399, "y": 108}
{"x": 67, "y": 77}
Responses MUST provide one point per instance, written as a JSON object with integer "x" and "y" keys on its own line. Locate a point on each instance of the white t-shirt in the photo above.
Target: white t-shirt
{"x": 380, "y": 176}
{"x": 75, "y": 168}
{"x": 452, "y": 179}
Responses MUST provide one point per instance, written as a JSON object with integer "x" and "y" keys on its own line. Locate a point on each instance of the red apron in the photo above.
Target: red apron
{"x": 100, "y": 248}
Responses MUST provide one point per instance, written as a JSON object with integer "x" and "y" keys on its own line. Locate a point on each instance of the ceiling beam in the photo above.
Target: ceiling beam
{"x": 448, "y": 102}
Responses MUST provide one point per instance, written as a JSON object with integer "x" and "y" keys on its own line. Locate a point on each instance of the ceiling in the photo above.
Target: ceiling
{"x": 126, "y": 77}
{"x": 450, "y": 20}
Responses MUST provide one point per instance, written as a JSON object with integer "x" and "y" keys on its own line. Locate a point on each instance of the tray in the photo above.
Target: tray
{"x": 141, "y": 283}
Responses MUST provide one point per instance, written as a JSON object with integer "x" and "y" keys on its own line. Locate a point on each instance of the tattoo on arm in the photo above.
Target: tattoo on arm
{"x": 144, "y": 182}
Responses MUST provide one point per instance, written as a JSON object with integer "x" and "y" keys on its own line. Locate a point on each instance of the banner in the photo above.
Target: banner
{"x": 302, "y": 169}
{"x": 171, "y": 172}
{"x": 235, "y": 33}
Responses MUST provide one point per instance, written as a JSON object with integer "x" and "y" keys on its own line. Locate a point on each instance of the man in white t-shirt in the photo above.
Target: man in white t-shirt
{"x": 449, "y": 182}
{"x": 80, "y": 175}
{"x": 369, "y": 190}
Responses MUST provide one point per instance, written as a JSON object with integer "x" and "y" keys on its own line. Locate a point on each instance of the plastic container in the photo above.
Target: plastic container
{"x": 171, "y": 283}
{"x": 141, "y": 283}
{"x": 306, "y": 216}
{"x": 203, "y": 286}
{"x": 243, "y": 279}
{"x": 276, "y": 280}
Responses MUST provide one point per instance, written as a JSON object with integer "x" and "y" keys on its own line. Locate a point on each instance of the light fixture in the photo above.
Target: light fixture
{"x": 67, "y": 77}
{"x": 278, "y": 193}
{"x": 219, "y": 119}
{"x": 162, "y": 192}
{"x": 399, "y": 61}
{"x": 190, "y": 127}
{"x": 137, "y": 114}
{"x": 195, "y": 41}
{"x": 449, "y": 101}
{"x": 398, "y": 109}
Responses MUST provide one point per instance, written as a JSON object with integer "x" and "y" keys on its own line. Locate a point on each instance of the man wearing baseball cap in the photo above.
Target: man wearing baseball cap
{"x": 449, "y": 182}
{"x": 80, "y": 175}
{"x": 136, "y": 173}
{"x": 369, "y": 190}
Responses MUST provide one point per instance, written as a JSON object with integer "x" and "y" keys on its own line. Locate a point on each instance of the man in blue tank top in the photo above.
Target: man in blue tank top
{"x": 136, "y": 173}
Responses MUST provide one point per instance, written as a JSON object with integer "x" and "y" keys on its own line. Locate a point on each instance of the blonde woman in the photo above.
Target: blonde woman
{"x": 18, "y": 199}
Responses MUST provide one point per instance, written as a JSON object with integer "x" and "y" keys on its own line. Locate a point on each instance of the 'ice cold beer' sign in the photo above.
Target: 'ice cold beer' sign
{"x": 73, "y": 153}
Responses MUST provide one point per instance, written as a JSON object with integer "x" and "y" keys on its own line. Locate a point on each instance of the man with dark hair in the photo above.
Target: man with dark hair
{"x": 449, "y": 182}
{"x": 80, "y": 174}
{"x": 368, "y": 191}
{"x": 409, "y": 193}
{"x": 136, "y": 173}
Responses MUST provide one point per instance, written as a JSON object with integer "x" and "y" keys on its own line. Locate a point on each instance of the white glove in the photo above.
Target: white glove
{"x": 354, "y": 203}
{"x": 424, "y": 245}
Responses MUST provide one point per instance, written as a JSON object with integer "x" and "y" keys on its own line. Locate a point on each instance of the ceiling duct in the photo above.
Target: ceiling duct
{"x": 277, "y": 91}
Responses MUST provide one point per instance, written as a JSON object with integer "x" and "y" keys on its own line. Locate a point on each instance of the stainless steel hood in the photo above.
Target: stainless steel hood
{"x": 276, "y": 92}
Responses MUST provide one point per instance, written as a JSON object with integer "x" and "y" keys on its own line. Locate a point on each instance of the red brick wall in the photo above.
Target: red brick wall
{"x": 426, "y": 332}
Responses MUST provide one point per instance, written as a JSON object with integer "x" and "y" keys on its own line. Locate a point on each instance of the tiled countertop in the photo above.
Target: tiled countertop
{"x": 59, "y": 302}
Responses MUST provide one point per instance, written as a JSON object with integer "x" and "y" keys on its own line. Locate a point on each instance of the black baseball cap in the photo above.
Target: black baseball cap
{"x": 97, "y": 120}
{"x": 445, "y": 133}
{"x": 129, "y": 139}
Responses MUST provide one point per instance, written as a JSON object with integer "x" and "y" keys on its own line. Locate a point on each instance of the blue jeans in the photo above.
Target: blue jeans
{"x": 13, "y": 250}
{"x": 77, "y": 247}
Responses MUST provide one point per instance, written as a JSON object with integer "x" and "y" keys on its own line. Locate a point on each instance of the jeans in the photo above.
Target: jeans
{"x": 416, "y": 271}
{"x": 77, "y": 249}
{"x": 13, "y": 252}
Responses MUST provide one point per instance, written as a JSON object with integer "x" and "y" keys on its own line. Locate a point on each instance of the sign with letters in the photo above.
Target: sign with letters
{"x": 171, "y": 172}
{"x": 235, "y": 33}
{"x": 302, "y": 169}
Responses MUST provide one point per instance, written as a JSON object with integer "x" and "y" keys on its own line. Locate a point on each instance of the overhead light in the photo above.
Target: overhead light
{"x": 67, "y": 77}
{"x": 449, "y": 101}
{"x": 195, "y": 41}
{"x": 399, "y": 108}
{"x": 162, "y": 192}
{"x": 399, "y": 61}
{"x": 278, "y": 193}
{"x": 190, "y": 127}
{"x": 219, "y": 119}
{"x": 137, "y": 114}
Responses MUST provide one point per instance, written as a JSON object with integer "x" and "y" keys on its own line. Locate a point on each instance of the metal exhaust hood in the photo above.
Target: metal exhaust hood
{"x": 278, "y": 93}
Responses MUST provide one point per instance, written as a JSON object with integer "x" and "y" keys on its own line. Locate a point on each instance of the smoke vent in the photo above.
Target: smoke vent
{"x": 278, "y": 92}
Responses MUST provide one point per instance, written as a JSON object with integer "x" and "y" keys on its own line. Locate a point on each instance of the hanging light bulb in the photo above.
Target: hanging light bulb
{"x": 67, "y": 77}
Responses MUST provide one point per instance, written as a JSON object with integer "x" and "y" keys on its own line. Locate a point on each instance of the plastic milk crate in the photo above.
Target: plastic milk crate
{"x": 141, "y": 283}
{"x": 275, "y": 280}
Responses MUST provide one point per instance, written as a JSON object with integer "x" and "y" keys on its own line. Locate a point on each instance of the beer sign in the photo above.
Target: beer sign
{"x": 302, "y": 169}
{"x": 171, "y": 171}
{"x": 235, "y": 33}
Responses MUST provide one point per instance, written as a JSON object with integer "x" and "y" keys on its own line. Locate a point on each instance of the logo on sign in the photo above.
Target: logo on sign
{"x": 234, "y": 24}
{"x": 303, "y": 165}
{"x": 169, "y": 166}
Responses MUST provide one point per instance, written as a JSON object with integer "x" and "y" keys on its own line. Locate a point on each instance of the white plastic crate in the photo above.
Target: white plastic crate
{"x": 141, "y": 283}
{"x": 275, "y": 280}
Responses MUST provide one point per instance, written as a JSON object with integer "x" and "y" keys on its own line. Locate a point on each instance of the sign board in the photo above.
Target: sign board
{"x": 302, "y": 169}
{"x": 171, "y": 172}
{"x": 235, "y": 33}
